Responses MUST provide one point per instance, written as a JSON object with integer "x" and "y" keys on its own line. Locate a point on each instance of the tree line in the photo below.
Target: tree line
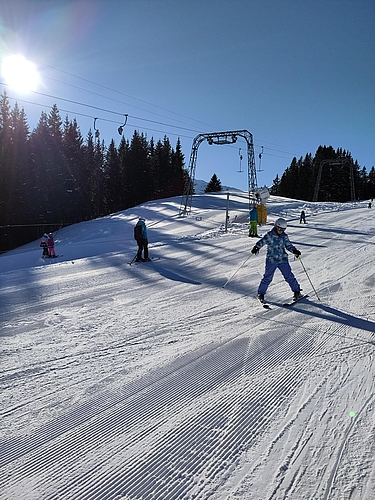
{"x": 52, "y": 175}
{"x": 300, "y": 179}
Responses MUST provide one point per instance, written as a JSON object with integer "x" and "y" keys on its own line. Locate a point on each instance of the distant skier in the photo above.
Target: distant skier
{"x": 51, "y": 245}
{"x": 302, "y": 217}
{"x": 253, "y": 231}
{"x": 277, "y": 242}
{"x": 140, "y": 235}
{"x": 44, "y": 245}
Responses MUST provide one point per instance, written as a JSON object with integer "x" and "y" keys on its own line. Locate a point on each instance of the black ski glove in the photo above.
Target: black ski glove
{"x": 255, "y": 250}
{"x": 296, "y": 252}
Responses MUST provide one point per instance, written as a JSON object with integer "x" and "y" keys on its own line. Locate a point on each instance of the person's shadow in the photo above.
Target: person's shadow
{"x": 173, "y": 276}
{"x": 330, "y": 314}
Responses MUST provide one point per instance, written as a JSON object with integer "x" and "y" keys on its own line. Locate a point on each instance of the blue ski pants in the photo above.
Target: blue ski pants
{"x": 285, "y": 270}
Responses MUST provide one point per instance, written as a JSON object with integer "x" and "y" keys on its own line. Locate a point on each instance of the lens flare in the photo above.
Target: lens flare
{"x": 20, "y": 74}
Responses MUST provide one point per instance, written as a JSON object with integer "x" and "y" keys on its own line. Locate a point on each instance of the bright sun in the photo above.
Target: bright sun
{"x": 19, "y": 73}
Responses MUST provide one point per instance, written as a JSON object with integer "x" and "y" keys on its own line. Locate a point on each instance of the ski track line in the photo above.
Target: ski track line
{"x": 258, "y": 413}
{"x": 55, "y": 364}
{"x": 48, "y": 394}
{"x": 142, "y": 384}
{"x": 87, "y": 497}
{"x": 331, "y": 479}
{"x": 295, "y": 477}
{"x": 203, "y": 315}
{"x": 70, "y": 294}
{"x": 288, "y": 385}
{"x": 97, "y": 280}
{"x": 297, "y": 448}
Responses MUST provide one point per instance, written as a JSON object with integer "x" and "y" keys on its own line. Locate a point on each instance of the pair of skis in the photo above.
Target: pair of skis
{"x": 285, "y": 304}
{"x": 134, "y": 261}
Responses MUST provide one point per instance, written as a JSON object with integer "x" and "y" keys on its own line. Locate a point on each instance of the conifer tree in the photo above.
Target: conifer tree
{"x": 371, "y": 183}
{"x": 42, "y": 170}
{"x": 177, "y": 171}
{"x": 112, "y": 180}
{"x": 89, "y": 175}
{"x": 124, "y": 182}
{"x": 20, "y": 166}
{"x": 275, "y": 188}
{"x": 214, "y": 185}
{"x": 73, "y": 153}
{"x": 138, "y": 170}
{"x": 7, "y": 180}
{"x": 59, "y": 182}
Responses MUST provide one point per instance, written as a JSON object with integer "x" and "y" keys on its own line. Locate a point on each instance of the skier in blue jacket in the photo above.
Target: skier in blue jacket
{"x": 253, "y": 231}
{"x": 140, "y": 235}
{"x": 277, "y": 242}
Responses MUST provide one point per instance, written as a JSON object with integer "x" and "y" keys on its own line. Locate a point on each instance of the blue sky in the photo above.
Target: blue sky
{"x": 295, "y": 74}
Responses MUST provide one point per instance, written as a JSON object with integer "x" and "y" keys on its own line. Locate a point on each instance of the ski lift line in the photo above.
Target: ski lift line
{"x": 109, "y": 121}
{"x": 120, "y": 93}
{"x": 288, "y": 151}
{"x": 270, "y": 149}
{"x": 134, "y": 125}
{"x": 120, "y": 102}
{"x": 108, "y": 111}
{"x": 104, "y": 119}
{"x": 131, "y": 116}
{"x": 115, "y": 91}
{"x": 135, "y": 117}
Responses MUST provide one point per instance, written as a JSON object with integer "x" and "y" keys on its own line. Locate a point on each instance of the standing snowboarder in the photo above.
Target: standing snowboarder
{"x": 140, "y": 235}
{"x": 302, "y": 217}
{"x": 277, "y": 242}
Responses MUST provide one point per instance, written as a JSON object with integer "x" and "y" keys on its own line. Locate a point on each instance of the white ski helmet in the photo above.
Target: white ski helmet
{"x": 280, "y": 222}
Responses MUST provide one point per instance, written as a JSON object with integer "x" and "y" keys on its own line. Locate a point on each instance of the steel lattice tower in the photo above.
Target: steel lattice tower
{"x": 338, "y": 162}
{"x": 219, "y": 138}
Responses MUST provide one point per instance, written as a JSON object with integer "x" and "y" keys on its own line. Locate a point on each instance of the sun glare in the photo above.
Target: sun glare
{"x": 20, "y": 74}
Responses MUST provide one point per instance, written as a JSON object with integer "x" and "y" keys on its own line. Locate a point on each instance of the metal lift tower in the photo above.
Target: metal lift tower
{"x": 219, "y": 138}
{"x": 338, "y": 162}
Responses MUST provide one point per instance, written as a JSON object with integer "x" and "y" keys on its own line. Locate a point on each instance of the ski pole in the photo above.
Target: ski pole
{"x": 299, "y": 258}
{"x": 133, "y": 259}
{"x": 233, "y": 275}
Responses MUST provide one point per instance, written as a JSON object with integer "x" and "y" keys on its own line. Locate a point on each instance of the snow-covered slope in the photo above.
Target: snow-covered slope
{"x": 152, "y": 381}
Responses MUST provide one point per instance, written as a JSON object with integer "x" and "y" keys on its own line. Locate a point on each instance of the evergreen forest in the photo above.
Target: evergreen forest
{"x": 52, "y": 176}
{"x": 341, "y": 178}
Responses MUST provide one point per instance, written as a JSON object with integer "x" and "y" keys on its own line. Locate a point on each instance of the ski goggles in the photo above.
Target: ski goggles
{"x": 282, "y": 229}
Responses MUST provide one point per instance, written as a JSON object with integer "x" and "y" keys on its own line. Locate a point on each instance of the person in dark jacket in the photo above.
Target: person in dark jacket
{"x": 44, "y": 245}
{"x": 140, "y": 235}
{"x": 277, "y": 243}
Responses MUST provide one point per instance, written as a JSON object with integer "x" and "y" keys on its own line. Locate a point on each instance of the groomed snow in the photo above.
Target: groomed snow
{"x": 152, "y": 381}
